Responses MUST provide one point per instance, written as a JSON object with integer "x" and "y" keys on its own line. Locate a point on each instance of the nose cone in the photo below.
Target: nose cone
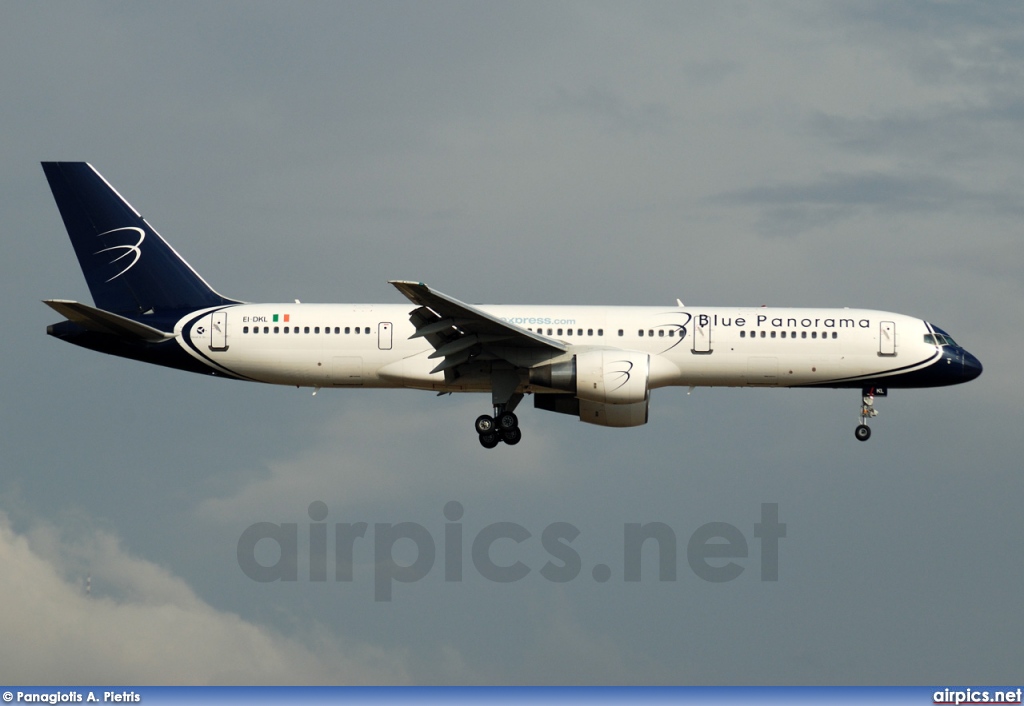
{"x": 972, "y": 366}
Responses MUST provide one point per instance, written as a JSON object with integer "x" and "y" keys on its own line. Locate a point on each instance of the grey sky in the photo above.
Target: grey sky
{"x": 804, "y": 154}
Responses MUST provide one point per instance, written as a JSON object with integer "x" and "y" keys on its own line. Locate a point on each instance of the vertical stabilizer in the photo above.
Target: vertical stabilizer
{"x": 129, "y": 268}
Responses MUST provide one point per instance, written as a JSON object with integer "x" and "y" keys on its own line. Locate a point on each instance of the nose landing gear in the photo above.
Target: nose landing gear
{"x": 867, "y": 411}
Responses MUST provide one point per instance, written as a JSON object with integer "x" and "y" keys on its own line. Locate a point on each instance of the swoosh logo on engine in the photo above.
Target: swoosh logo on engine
{"x": 626, "y": 374}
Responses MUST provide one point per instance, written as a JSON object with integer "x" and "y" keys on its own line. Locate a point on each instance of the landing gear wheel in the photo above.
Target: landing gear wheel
{"x": 863, "y": 432}
{"x": 489, "y": 439}
{"x": 511, "y": 436}
{"x": 484, "y": 424}
{"x": 507, "y": 420}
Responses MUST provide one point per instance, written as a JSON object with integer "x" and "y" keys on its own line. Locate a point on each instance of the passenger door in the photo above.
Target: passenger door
{"x": 887, "y": 338}
{"x": 384, "y": 335}
{"x": 219, "y": 331}
{"x": 701, "y": 336}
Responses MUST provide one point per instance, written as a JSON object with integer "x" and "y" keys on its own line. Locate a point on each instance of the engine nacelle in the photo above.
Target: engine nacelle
{"x": 600, "y": 413}
{"x": 614, "y": 415}
{"x": 606, "y": 387}
{"x": 603, "y": 376}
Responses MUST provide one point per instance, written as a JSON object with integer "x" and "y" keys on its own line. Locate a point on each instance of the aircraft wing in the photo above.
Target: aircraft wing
{"x": 460, "y": 332}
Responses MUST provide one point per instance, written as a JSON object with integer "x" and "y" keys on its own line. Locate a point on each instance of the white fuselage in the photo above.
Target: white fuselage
{"x": 369, "y": 345}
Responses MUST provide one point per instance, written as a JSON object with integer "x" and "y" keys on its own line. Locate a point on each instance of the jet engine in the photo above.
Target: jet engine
{"x": 607, "y": 387}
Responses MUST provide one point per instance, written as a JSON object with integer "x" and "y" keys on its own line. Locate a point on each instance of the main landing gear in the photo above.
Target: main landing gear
{"x": 503, "y": 426}
{"x": 867, "y": 410}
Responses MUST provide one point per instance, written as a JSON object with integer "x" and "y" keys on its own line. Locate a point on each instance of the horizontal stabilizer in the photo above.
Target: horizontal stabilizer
{"x": 105, "y": 322}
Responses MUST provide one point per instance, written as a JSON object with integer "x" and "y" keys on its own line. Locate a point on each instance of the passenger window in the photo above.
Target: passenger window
{"x": 640, "y": 333}
{"x": 348, "y": 330}
{"x": 600, "y": 332}
{"x": 814, "y": 334}
{"x": 835, "y": 334}
{"x": 316, "y": 330}
{"x": 803, "y": 334}
{"x": 783, "y": 334}
{"x": 277, "y": 329}
{"x": 366, "y": 330}
{"x": 559, "y": 332}
{"x": 671, "y": 333}
{"x": 579, "y": 332}
{"x": 621, "y": 332}
{"x": 266, "y": 329}
{"x": 306, "y": 330}
{"x": 743, "y": 334}
{"x": 569, "y": 332}
{"x": 661, "y": 333}
{"x": 245, "y": 329}
{"x": 773, "y": 334}
{"x": 590, "y": 332}
{"x": 763, "y": 334}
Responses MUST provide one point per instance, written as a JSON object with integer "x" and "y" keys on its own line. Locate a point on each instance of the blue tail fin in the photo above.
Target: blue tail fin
{"x": 129, "y": 268}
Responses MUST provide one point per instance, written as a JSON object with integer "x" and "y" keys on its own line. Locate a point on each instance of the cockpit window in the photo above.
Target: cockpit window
{"x": 939, "y": 340}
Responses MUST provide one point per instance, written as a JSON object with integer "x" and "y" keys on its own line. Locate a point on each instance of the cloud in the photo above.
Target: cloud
{"x": 946, "y": 134}
{"x": 143, "y": 625}
{"x": 611, "y": 111}
{"x": 794, "y": 207}
{"x": 384, "y": 450}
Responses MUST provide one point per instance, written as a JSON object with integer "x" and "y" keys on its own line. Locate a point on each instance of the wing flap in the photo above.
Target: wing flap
{"x": 460, "y": 332}
{"x": 465, "y": 316}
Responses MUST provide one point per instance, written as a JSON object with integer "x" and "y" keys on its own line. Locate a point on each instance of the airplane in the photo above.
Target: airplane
{"x": 597, "y": 363}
